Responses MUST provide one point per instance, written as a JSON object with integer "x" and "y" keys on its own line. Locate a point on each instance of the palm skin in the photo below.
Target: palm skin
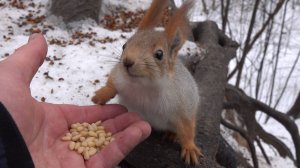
{"x": 42, "y": 124}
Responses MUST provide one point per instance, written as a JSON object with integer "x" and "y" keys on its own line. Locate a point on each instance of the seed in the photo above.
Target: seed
{"x": 71, "y": 145}
{"x": 100, "y": 131}
{"x": 86, "y": 139}
{"x": 84, "y": 144}
{"x": 102, "y": 135}
{"x": 92, "y": 151}
{"x": 80, "y": 150}
{"x": 108, "y": 134}
{"x": 90, "y": 128}
{"x": 80, "y": 128}
{"x": 98, "y": 123}
{"x": 76, "y": 137}
{"x": 77, "y": 145}
{"x": 74, "y": 133}
{"x": 82, "y": 139}
{"x": 99, "y": 143}
{"x": 100, "y": 128}
{"x": 74, "y": 126}
{"x": 72, "y": 130}
{"x": 91, "y": 144}
{"x": 93, "y": 134}
{"x": 90, "y": 139}
{"x": 66, "y": 138}
{"x": 86, "y": 155}
{"x": 84, "y": 133}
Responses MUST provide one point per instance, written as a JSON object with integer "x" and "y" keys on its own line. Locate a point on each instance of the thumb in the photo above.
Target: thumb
{"x": 27, "y": 59}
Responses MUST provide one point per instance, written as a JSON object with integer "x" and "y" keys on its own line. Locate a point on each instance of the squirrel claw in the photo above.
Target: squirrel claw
{"x": 97, "y": 100}
{"x": 191, "y": 154}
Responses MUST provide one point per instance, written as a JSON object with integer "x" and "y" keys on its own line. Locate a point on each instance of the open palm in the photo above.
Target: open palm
{"x": 42, "y": 124}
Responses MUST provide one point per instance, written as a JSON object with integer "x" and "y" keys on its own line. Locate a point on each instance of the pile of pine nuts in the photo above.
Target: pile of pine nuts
{"x": 86, "y": 139}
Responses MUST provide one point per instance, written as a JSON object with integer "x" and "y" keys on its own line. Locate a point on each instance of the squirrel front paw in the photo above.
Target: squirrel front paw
{"x": 103, "y": 95}
{"x": 190, "y": 154}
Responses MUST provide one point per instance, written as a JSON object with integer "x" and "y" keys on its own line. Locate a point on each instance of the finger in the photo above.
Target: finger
{"x": 124, "y": 142}
{"x": 121, "y": 122}
{"x": 90, "y": 114}
{"x": 27, "y": 59}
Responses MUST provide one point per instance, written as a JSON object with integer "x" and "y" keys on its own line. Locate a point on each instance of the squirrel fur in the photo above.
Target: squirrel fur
{"x": 153, "y": 82}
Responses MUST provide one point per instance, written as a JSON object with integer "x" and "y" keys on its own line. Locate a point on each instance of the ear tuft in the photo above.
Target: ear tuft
{"x": 178, "y": 29}
{"x": 153, "y": 15}
{"x": 176, "y": 40}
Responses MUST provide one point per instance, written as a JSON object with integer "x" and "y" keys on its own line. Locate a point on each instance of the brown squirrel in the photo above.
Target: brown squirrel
{"x": 151, "y": 81}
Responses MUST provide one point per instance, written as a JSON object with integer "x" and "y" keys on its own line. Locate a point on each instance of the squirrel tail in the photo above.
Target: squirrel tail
{"x": 154, "y": 14}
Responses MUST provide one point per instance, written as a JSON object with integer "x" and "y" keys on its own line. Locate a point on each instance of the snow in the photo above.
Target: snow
{"x": 72, "y": 73}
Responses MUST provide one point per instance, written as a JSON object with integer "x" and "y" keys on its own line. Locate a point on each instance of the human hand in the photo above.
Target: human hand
{"x": 42, "y": 124}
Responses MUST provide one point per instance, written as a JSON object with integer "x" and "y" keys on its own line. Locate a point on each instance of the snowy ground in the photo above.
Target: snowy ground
{"x": 80, "y": 56}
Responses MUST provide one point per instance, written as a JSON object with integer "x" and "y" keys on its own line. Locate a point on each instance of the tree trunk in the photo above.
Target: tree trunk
{"x": 76, "y": 9}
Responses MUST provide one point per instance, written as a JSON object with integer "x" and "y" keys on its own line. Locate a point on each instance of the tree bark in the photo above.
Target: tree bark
{"x": 210, "y": 74}
{"x": 295, "y": 109}
{"x": 76, "y": 9}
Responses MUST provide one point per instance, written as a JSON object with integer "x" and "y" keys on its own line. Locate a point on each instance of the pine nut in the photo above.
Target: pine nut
{"x": 98, "y": 123}
{"x": 80, "y": 150}
{"x": 80, "y": 128}
{"x": 71, "y": 145}
{"x": 77, "y": 145}
{"x": 86, "y": 155}
{"x": 66, "y": 138}
{"x": 92, "y": 151}
{"x": 86, "y": 139}
{"x": 84, "y": 144}
{"x": 91, "y": 144}
{"x": 93, "y": 134}
{"x": 76, "y": 137}
{"x": 82, "y": 139}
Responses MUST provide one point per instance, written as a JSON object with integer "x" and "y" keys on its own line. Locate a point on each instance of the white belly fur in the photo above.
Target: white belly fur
{"x": 160, "y": 101}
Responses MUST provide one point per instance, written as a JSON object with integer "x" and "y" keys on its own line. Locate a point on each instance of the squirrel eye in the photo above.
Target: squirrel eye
{"x": 124, "y": 46}
{"x": 159, "y": 54}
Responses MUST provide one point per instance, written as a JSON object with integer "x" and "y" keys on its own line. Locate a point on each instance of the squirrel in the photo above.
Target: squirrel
{"x": 152, "y": 81}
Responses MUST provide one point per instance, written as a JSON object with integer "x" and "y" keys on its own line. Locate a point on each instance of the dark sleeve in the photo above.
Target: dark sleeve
{"x": 13, "y": 150}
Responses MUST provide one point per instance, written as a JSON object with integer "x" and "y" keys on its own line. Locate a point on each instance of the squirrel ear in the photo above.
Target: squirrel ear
{"x": 178, "y": 29}
{"x": 153, "y": 15}
{"x": 176, "y": 42}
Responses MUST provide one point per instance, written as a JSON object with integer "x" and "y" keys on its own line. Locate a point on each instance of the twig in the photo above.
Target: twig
{"x": 248, "y": 139}
{"x": 249, "y": 43}
{"x": 263, "y": 151}
{"x": 280, "y": 117}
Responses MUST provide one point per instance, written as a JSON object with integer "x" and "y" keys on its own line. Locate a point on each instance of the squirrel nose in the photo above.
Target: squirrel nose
{"x": 128, "y": 63}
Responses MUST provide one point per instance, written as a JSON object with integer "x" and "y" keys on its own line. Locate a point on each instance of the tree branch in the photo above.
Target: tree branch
{"x": 280, "y": 117}
{"x": 248, "y": 139}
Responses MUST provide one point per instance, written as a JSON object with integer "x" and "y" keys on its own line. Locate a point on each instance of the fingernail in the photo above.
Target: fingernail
{"x": 33, "y": 36}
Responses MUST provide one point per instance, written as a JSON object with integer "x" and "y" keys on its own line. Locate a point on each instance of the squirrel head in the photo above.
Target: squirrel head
{"x": 152, "y": 52}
